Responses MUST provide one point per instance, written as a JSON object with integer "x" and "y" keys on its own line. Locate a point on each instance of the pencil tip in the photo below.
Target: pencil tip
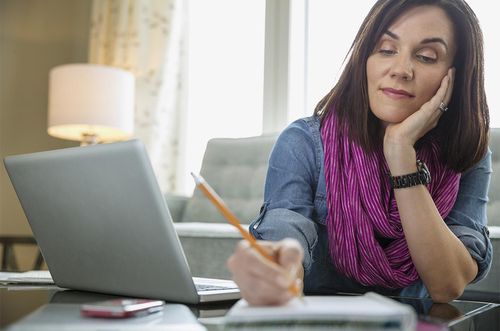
{"x": 196, "y": 178}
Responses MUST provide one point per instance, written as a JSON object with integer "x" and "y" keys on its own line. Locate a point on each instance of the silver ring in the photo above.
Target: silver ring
{"x": 442, "y": 107}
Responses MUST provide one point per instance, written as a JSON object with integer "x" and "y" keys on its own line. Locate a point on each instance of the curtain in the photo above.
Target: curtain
{"x": 146, "y": 38}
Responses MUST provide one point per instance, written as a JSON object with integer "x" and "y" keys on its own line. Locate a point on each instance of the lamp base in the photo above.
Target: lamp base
{"x": 88, "y": 139}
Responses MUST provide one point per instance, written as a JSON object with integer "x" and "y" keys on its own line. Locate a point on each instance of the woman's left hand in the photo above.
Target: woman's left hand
{"x": 403, "y": 136}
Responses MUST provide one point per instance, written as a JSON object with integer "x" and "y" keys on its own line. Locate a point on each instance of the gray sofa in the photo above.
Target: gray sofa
{"x": 236, "y": 169}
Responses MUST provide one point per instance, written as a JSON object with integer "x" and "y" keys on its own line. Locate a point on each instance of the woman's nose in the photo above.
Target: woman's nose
{"x": 402, "y": 68}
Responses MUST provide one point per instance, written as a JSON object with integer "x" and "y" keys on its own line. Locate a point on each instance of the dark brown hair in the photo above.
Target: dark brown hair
{"x": 462, "y": 131}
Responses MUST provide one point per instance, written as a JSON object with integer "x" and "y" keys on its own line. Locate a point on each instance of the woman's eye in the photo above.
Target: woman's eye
{"x": 426, "y": 59}
{"x": 387, "y": 51}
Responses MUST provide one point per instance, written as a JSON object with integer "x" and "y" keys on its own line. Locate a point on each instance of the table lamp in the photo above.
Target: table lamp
{"x": 90, "y": 103}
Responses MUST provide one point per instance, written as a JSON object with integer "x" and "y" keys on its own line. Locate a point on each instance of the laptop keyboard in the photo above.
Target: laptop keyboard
{"x": 208, "y": 287}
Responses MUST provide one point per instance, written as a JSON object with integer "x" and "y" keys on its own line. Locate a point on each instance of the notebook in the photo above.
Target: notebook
{"x": 370, "y": 311}
{"x": 32, "y": 277}
{"x": 102, "y": 224}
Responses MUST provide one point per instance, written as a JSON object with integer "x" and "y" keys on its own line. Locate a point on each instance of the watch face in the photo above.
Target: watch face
{"x": 423, "y": 172}
{"x": 423, "y": 177}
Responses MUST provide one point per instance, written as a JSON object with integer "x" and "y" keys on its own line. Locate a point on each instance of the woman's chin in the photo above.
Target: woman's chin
{"x": 391, "y": 119}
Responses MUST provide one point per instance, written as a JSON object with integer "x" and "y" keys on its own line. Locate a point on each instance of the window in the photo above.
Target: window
{"x": 225, "y": 65}
{"x": 490, "y": 24}
{"x": 331, "y": 30}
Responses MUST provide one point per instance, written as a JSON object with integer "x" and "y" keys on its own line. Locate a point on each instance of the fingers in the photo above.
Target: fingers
{"x": 290, "y": 255}
{"x": 260, "y": 292}
{"x": 264, "y": 282}
{"x": 449, "y": 90}
{"x": 436, "y": 106}
{"x": 261, "y": 268}
{"x": 443, "y": 94}
{"x": 261, "y": 281}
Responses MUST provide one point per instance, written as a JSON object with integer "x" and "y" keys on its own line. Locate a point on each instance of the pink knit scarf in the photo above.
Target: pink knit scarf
{"x": 362, "y": 208}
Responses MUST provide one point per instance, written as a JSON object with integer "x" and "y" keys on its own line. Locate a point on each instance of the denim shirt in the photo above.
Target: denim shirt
{"x": 295, "y": 206}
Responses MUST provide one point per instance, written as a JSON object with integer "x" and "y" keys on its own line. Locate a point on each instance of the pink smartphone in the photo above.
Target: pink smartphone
{"x": 121, "y": 308}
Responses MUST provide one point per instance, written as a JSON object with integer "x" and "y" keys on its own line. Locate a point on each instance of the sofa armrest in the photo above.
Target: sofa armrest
{"x": 207, "y": 246}
{"x": 176, "y": 205}
{"x": 206, "y": 230}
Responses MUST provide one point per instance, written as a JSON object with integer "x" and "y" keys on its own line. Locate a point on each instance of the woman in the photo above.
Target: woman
{"x": 385, "y": 187}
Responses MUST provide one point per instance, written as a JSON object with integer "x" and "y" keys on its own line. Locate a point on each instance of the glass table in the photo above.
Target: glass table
{"x": 18, "y": 301}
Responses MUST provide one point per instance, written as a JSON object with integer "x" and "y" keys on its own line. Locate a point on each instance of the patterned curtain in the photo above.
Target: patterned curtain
{"x": 146, "y": 38}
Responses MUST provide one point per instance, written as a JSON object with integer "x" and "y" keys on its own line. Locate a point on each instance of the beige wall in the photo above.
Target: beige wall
{"x": 35, "y": 36}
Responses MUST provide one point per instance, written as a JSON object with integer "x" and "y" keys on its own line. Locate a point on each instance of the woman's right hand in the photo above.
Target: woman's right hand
{"x": 261, "y": 281}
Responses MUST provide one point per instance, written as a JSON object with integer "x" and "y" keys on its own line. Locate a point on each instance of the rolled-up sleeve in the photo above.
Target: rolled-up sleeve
{"x": 467, "y": 220}
{"x": 280, "y": 223}
{"x": 288, "y": 207}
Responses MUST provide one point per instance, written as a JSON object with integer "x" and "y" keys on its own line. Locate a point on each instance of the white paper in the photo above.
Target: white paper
{"x": 370, "y": 307}
{"x": 28, "y": 277}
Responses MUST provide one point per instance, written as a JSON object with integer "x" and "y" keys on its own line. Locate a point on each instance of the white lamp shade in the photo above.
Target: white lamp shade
{"x": 89, "y": 99}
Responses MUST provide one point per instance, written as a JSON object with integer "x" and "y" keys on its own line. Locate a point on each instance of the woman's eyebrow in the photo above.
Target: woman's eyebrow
{"x": 424, "y": 41}
{"x": 435, "y": 40}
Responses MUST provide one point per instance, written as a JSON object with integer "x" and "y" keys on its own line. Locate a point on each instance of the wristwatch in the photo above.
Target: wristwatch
{"x": 422, "y": 176}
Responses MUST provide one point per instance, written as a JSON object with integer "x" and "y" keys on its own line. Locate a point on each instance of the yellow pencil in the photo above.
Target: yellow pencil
{"x": 221, "y": 206}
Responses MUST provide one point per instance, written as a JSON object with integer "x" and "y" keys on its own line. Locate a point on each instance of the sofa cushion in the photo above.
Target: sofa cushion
{"x": 236, "y": 170}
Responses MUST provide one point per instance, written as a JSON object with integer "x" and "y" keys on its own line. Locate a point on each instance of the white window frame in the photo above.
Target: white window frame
{"x": 276, "y": 58}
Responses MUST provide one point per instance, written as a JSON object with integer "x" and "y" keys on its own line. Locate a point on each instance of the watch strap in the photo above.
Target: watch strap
{"x": 421, "y": 177}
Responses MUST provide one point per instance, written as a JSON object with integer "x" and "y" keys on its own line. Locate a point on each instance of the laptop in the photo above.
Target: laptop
{"x": 102, "y": 224}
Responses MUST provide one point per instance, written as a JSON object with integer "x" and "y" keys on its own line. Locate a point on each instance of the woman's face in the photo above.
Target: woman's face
{"x": 408, "y": 63}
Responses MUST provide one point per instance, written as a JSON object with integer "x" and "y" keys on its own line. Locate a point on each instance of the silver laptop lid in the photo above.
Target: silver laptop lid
{"x": 101, "y": 222}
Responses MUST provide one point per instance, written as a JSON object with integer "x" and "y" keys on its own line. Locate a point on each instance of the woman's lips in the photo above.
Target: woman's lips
{"x": 397, "y": 94}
